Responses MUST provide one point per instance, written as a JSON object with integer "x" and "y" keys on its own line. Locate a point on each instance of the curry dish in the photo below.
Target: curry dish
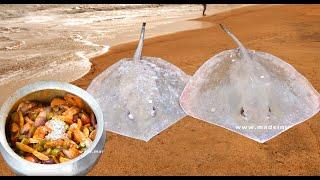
{"x": 51, "y": 133}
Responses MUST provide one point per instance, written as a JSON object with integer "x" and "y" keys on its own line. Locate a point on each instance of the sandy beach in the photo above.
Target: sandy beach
{"x": 193, "y": 147}
{"x": 56, "y": 42}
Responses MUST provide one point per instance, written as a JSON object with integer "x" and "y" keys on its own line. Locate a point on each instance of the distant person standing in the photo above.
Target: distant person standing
{"x": 204, "y": 9}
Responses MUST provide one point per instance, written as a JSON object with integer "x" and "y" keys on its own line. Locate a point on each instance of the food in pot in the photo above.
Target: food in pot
{"x": 51, "y": 133}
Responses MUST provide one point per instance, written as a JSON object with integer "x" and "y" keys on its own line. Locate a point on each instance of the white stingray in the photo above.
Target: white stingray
{"x": 251, "y": 93}
{"x": 139, "y": 97}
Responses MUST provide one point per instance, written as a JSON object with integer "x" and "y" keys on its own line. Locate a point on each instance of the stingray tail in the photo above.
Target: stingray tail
{"x": 243, "y": 50}
{"x": 137, "y": 54}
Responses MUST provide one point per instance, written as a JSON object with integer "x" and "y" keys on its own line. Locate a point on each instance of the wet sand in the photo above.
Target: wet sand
{"x": 55, "y": 42}
{"x": 193, "y": 147}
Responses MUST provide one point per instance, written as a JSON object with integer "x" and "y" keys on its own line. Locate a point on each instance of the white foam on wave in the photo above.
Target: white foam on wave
{"x": 82, "y": 54}
{"x": 88, "y": 55}
{"x": 16, "y": 46}
{"x": 90, "y": 20}
{"x": 59, "y": 40}
{"x": 103, "y": 48}
{"x": 79, "y": 38}
{"x": 38, "y": 19}
{"x": 72, "y": 68}
{"x": 78, "y": 21}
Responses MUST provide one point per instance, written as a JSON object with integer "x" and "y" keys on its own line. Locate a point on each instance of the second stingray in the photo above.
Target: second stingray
{"x": 139, "y": 97}
{"x": 251, "y": 93}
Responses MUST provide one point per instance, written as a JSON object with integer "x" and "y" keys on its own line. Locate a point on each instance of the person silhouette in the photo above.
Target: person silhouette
{"x": 204, "y": 9}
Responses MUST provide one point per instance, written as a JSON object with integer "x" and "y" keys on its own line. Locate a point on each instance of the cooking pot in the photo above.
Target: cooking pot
{"x": 45, "y": 91}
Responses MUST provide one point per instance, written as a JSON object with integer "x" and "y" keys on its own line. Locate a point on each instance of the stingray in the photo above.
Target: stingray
{"x": 139, "y": 96}
{"x": 251, "y": 93}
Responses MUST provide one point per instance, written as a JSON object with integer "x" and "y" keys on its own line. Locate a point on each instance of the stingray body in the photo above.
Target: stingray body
{"x": 251, "y": 93}
{"x": 140, "y": 96}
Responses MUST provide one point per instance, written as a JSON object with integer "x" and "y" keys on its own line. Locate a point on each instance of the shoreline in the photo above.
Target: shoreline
{"x": 17, "y": 70}
{"x": 201, "y": 20}
{"x": 186, "y": 24}
{"x": 183, "y": 24}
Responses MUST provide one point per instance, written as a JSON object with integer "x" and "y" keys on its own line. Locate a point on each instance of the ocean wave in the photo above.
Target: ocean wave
{"x": 55, "y": 42}
{"x": 12, "y": 29}
{"x": 23, "y": 71}
{"x": 106, "y": 7}
{"x": 7, "y": 43}
{"x": 8, "y": 11}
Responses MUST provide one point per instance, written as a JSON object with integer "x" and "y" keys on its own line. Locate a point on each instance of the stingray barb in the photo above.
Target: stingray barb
{"x": 252, "y": 93}
{"x": 138, "y": 53}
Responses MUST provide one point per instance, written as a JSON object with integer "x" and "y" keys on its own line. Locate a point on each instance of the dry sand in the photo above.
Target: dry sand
{"x": 193, "y": 147}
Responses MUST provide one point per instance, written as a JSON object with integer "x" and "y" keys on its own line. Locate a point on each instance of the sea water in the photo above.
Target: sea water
{"x": 55, "y": 42}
